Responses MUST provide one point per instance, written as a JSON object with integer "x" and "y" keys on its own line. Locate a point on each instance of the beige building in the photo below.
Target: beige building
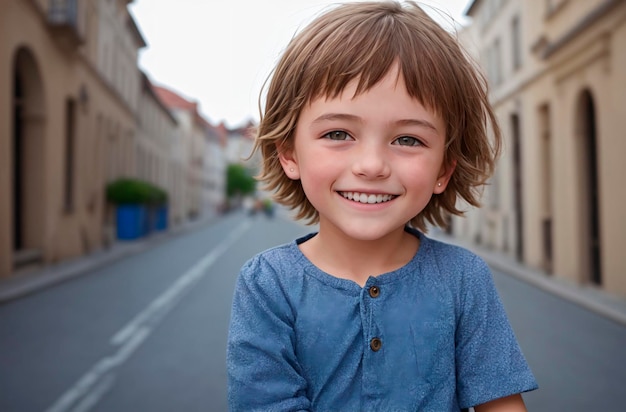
{"x": 192, "y": 132}
{"x": 157, "y": 159}
{"x": 214, "y": 181}
{"x": 240, "y": 145}
{"x": 118, "y": 43}
{"x": 557, "y": 73}
{"x": 65, "y": 128}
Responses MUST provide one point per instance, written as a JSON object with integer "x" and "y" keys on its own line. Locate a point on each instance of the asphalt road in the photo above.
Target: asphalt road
{"x": 148, "y": 333}
{"x": 577, "y": 356}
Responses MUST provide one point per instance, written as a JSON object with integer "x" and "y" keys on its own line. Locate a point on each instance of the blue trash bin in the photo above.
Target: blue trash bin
{"x": 148, "y": 221}
{"x": 161, "y": 218}
{"x": 129, "y": 221}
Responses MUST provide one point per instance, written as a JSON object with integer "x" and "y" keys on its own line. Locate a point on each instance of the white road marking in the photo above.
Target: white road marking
{"x": 94, "y": 384}
{"x": 94, "y": 396}
{"x": 103, "y": 367}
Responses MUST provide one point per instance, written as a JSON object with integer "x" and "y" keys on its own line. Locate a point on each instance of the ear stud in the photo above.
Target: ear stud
{"x": 291, "y": 170}
{"x": 439, "y": 184}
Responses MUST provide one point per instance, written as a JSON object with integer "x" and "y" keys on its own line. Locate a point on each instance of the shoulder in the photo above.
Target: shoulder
{"x": 267, "y": 284}
{"x": 455, "y": 268}
{"x": 278, "y": 264}
{"x": 452, "y": 259}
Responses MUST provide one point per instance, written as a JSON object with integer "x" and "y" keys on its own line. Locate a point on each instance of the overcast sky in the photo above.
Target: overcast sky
{"x": 219, "y": 52}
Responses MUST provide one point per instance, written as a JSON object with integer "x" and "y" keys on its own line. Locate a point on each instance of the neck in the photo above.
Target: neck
{"x": 357, "y": 260}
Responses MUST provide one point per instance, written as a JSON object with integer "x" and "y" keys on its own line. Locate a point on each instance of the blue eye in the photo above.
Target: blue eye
{"x": 337, "y": 135}
{"x": 407, "y": 141}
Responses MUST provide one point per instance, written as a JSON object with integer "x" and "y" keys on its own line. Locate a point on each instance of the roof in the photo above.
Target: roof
{"x": 139, "y": 39}
{"x": 150, "y": 89}
{"x": 471, "y": 7}
{"x": 175, "y": 101}
{"x": 247, "y": 130}
{"x": 219, "y": 133}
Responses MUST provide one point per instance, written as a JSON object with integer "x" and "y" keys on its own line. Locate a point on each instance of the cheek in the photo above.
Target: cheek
{"x": 417, "y": 172}
{"x": 317, "y": 171}
{"x": 318, "y": 176}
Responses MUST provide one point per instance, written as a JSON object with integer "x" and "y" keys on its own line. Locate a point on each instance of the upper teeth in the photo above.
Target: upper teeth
{"x": 366, "y": 198}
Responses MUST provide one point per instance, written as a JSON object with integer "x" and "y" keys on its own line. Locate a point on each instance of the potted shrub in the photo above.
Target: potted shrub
{"x": 135, "y": 201}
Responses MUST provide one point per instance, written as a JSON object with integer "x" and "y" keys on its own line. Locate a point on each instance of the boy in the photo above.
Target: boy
{"x": 375, "y": 123}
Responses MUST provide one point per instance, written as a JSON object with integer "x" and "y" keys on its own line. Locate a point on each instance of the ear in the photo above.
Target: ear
{"x": 444, "y": 177}
{"x": 288, "y": 161}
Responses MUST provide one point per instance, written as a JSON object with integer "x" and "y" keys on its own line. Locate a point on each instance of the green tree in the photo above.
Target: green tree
{"x": 239, "y": 180}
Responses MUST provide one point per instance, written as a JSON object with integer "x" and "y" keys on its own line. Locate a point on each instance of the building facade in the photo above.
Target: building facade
{"x": 76, "y": 113}
{"x": 557, "y": 77}
{"x": 214, "y": 181}
{"x": 192, "y": 132}
{"x": 118, "y": 45}
{"x": 157, "y": 159}
{"x": 240, "y": 144}
{"x": 65, "y": 129}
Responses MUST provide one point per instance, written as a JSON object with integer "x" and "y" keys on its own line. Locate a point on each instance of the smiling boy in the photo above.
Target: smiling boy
{"x": 368, "y": 164}
{"x": 375, "y": 123}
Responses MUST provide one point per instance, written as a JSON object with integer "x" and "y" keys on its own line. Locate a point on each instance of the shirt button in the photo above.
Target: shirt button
{"x": 374, "y": 291}
{"x": 376, "y": 344}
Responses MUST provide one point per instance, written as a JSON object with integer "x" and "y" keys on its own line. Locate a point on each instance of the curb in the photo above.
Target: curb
{"x": 18, "y": 286}
{"x": 572, "y": 293}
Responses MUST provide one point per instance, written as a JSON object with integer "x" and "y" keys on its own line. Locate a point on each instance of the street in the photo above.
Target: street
{"x": 148, "y": 333}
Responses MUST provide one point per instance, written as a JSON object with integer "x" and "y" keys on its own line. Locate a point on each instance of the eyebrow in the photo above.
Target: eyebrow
{"x": 337, "y": 116}
{"x": 417, "y": 122}
{"x": 354, "y": 118}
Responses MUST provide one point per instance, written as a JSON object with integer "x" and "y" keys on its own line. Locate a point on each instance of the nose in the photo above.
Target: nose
{"x": 370, "y": 162}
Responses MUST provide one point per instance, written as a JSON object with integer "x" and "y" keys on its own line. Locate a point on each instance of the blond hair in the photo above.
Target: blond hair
{"x": 361, "y": 42}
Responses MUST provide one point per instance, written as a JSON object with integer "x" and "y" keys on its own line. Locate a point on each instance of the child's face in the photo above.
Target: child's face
{"x": 368, "y": 164}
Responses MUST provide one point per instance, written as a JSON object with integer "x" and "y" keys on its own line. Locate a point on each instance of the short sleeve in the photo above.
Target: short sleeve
{"x": 263, "y": 372}
{"x": 490, "y": 363}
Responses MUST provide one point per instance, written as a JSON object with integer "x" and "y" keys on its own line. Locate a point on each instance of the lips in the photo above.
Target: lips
{"x": 367, "y": 198}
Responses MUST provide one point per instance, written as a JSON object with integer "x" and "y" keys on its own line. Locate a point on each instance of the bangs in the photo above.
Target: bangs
{"x": 364, "y": 50}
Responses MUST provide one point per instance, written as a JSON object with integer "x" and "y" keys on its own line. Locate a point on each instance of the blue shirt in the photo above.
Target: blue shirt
{"x": 430, "y": 336}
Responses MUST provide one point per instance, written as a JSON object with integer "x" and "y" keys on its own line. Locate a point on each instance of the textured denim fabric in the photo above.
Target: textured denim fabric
{"x": 433, "y": 336}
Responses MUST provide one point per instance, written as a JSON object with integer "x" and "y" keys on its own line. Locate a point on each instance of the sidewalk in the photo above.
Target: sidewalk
{"x": 589, "y": 297}
{"x": 34, "y": 280}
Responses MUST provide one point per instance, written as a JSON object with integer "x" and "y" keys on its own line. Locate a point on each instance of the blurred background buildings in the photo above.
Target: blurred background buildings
{"x": 557, "y": 76}
{"x": 76, "y": 113}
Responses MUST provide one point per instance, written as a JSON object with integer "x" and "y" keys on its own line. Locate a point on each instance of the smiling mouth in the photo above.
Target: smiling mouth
{"x": 367, "y": 198}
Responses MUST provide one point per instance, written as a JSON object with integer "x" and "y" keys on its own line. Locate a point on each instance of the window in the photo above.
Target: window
{"x": 517, "y": 40}
{"x": 546, "y": 182}
{"x": 494, "y": 69}
{"x": 70, "y": 126}
{"x": 497, "y": 52}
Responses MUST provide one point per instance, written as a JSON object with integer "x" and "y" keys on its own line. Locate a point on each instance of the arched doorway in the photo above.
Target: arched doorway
{"x": 589, "y": 188}
{"x": 27, "y": 132}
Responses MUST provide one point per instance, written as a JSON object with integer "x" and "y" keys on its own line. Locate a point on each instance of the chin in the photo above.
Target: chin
{"x": 371, "y": 234}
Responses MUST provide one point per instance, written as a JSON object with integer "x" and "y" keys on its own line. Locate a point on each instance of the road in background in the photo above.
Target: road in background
{"x": 148, "y": 333}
